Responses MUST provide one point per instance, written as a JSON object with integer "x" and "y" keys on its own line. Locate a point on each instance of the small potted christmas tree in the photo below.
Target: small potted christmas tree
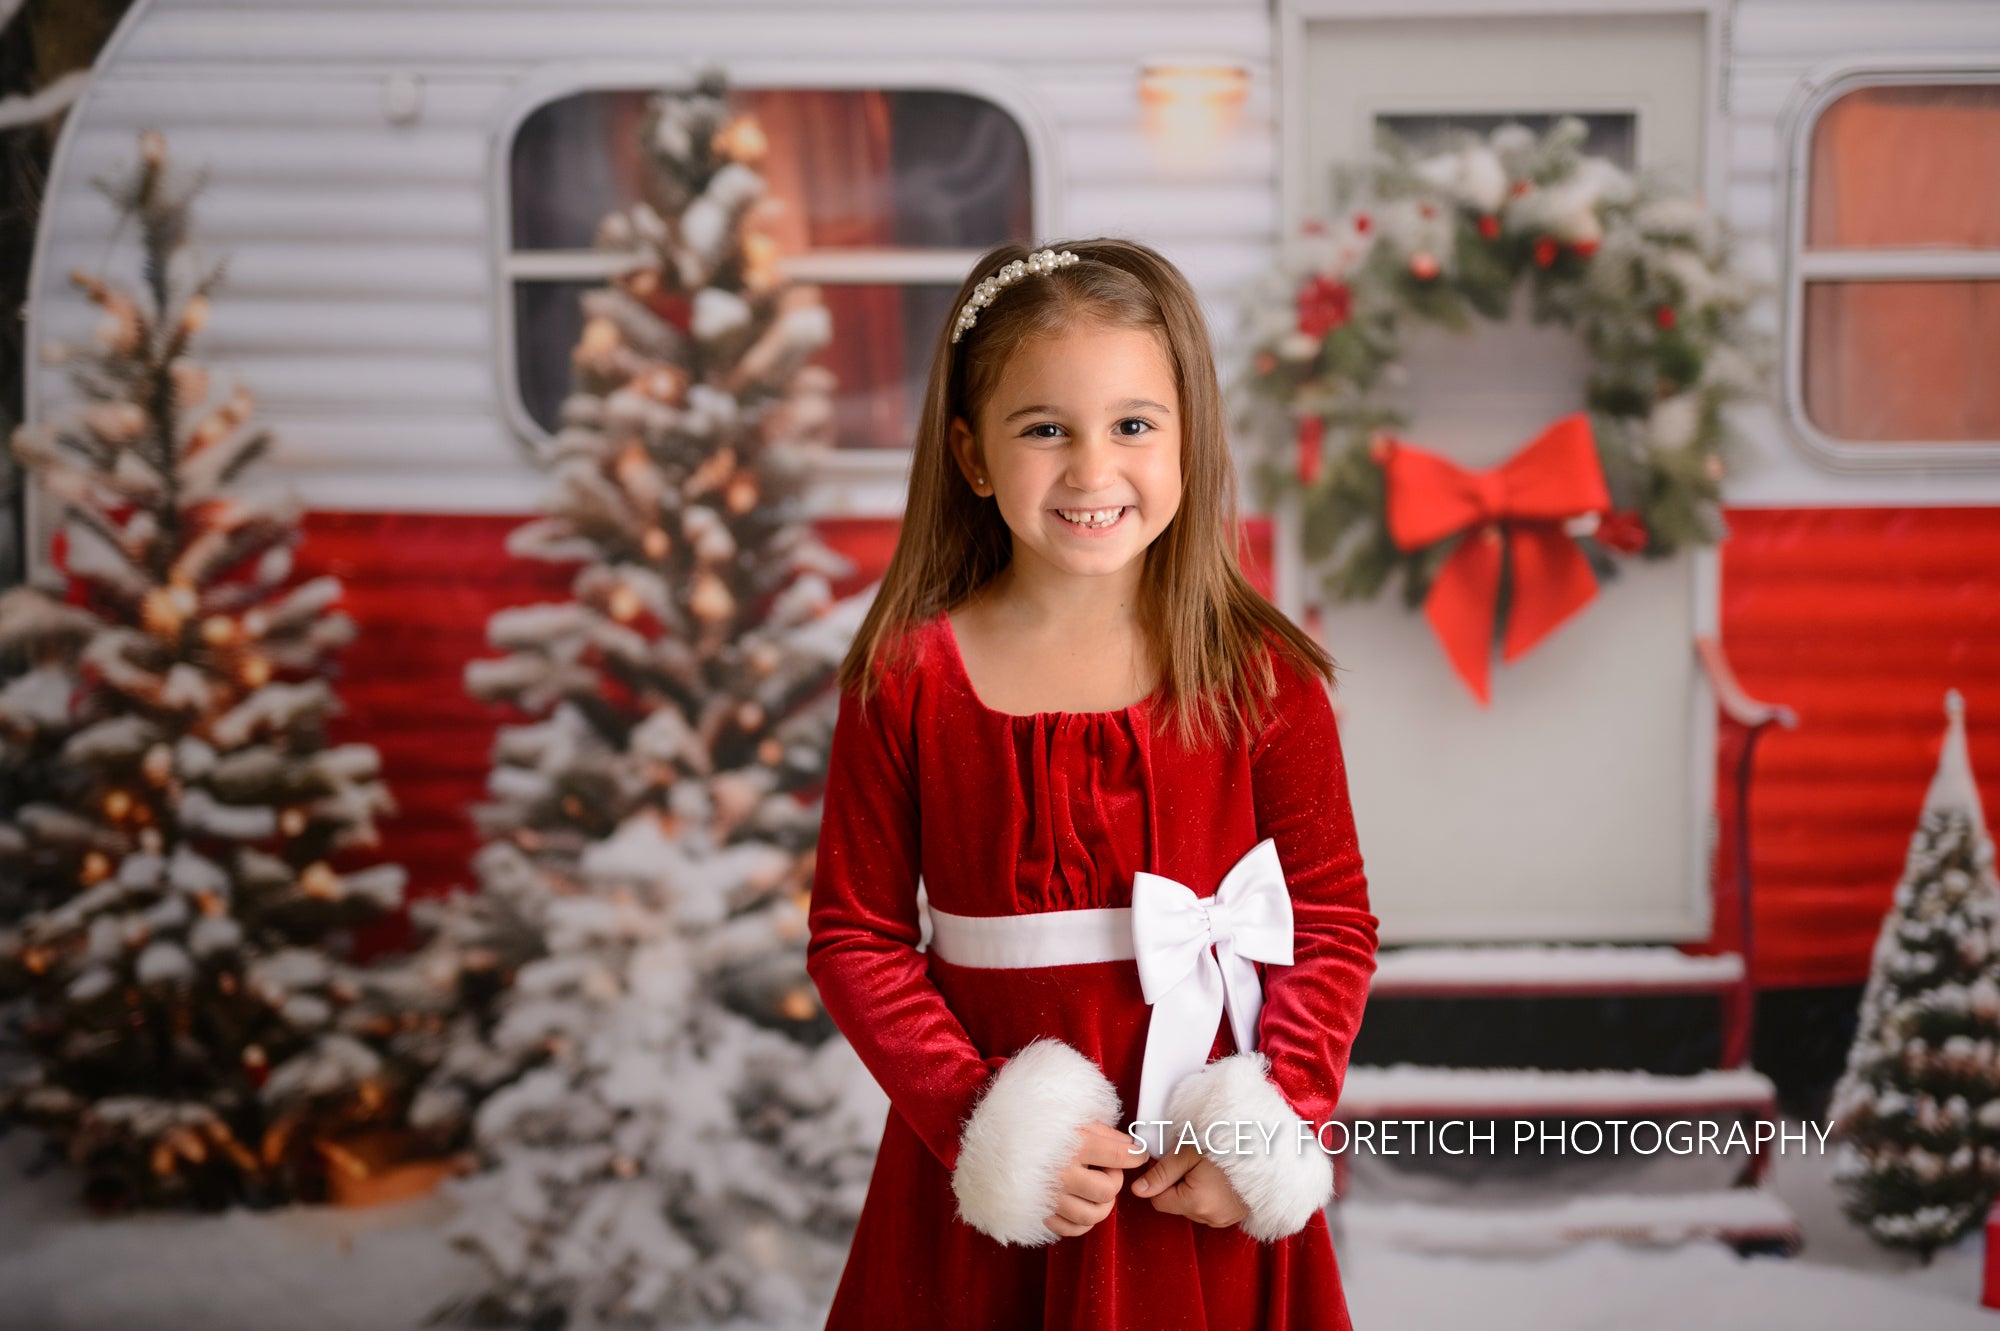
{"x": 1919, "y": 1104}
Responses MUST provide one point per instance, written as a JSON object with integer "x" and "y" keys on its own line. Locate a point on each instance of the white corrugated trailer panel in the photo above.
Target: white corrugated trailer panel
{"x": 362, "y": 296}
{"x": 358, "y": 241}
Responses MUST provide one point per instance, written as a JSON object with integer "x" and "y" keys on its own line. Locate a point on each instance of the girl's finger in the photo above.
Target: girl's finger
{"x": 1095, "y": 1185}
{"x": 1065, "y": 1228}
{"x": 1206, "y": 1197}
{"x": 1106, "y": 1148}
{"x": 1080, "y": 1211}
{"x": 1174, "y": 1201}
{"x": 1166, "y": 1172}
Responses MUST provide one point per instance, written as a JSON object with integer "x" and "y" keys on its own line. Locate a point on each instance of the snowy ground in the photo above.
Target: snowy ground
{"x": 1840, "y": 1280}
{"x": 298, "y": 1269}
{"x": 311, "y": 1269}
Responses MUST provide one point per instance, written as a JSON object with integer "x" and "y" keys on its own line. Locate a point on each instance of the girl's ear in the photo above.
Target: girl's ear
{"x": 965, "y": 450}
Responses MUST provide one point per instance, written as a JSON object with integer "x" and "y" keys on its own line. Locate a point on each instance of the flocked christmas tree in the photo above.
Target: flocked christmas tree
{"x": 1919, "y": 1103}
{"x": 672, "y": 1133}
{"x": 194, "y": 844}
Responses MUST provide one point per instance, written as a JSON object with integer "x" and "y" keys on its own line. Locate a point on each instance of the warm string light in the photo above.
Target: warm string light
{"x": 743, "y": 140}
{"x": 741, "y": 494}
{"x": 194, "y": 315}
{"x": 761, "y": 270}
{"x": 318, "y": 880}
{"x": 710, "y": 599}
{"x": 623, "y": 604}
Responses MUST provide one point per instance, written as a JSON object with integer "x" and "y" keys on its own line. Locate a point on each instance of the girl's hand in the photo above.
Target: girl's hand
{"x": 1189, "y": 1183}
{"x": 1091, "y": 1181}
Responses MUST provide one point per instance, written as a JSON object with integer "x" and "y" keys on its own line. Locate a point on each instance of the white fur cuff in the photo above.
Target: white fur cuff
{"x": 1284, "y": 1184}
{"x": 1022, "y": 1135}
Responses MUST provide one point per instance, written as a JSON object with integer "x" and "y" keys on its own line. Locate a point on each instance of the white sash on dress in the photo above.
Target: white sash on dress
{"x": 1195, "y": 958}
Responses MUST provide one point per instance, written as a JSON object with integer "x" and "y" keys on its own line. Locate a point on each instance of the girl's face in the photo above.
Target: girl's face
{"x": 1086, "y": 424}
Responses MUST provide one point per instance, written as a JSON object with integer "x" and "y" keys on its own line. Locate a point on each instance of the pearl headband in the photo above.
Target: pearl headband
{"x": 1041, "y": 261}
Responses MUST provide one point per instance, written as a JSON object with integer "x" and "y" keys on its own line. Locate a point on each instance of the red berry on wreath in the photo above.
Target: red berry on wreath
{"x": 1423, "y": 266}
{"x": 1584, "y": 248}
{"x": 1489, "y": 227}
{"x": 1545, "y": 252}
{"x": 1427, "y": 210}
{"x": 1520, "y": 187}
{"x": 1623, "y": 530}
{"x": 1664, "y": 316}
{"x": 1323, "y": 305}
{"x": 1312, "y": 435}
{"x": 1362, "y": 224}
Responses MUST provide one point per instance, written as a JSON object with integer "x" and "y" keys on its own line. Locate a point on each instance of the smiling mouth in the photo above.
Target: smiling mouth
{"x": 1091, "y": 519}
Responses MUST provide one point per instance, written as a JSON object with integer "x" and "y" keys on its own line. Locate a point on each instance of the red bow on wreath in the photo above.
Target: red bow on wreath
{"x": 1554, "y": 478}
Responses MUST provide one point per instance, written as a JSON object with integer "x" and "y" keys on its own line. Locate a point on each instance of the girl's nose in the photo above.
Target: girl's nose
{"x": 1091, "y": 465}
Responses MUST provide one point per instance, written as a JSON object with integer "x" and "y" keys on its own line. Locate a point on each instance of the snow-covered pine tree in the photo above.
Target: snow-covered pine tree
{"x": 677, "y": 1135}
{"x": 173, "y": 806}
{"x": 1918, "y": 1107}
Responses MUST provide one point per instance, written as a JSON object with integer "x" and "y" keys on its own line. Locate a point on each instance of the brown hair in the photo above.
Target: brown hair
{"x": 1205, "y": 623}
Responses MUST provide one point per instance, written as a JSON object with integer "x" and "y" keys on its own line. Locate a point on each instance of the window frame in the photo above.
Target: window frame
{"x": 1821, "y": 89}
{"x": 853, "y": 481}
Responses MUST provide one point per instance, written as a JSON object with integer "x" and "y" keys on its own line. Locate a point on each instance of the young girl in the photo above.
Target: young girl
{"x": 1113, "y": 766}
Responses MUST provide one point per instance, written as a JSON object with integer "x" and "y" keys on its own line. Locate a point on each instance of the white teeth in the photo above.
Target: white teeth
{"x": 1097, "y": 517}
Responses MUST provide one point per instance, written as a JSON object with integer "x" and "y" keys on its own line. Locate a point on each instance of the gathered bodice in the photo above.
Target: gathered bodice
{"x": 1027, "y": 813}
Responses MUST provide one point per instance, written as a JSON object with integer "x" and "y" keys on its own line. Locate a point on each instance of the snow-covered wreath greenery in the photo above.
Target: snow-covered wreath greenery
{"x": 1642, "y": 277}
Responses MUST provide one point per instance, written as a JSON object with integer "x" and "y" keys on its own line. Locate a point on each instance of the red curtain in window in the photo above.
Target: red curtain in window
{"x": 831, "y": 170}
{"x": 831, "y": 176}
{"x": 1901, "y": 167}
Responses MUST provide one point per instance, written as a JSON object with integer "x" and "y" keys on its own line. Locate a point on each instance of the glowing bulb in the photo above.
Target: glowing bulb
{"x": 1189, "y": 107}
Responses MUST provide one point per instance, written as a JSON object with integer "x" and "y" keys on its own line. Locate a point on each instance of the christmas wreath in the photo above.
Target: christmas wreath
{"x": 1642, "y": 278}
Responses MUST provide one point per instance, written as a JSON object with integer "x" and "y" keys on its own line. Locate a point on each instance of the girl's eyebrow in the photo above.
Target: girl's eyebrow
{"x": 1129, "y": 404}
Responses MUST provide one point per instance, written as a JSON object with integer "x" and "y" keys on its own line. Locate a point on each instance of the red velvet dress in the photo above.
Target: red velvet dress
{"x": 1003, "y": 814}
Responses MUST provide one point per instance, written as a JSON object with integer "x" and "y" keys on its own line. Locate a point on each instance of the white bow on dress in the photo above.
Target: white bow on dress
{"x": 1195, "y": 958}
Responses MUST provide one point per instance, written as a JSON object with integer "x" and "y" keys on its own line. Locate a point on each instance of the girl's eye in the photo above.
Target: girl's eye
{"x": 1033, "y": 430}
{"x": 1144, "y": 426}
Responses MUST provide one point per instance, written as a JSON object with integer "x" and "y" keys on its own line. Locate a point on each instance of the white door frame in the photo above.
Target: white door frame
{"x": 1295, "y": 171}
{"x": 1293, "y": 16}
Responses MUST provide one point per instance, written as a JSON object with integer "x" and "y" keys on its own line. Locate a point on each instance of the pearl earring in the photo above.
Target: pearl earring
{"x": 982, "y": 480}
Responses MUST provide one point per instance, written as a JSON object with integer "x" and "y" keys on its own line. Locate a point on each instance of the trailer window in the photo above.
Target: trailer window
{"x": 887, "y": 198}
{"x": 1894, "y": 294}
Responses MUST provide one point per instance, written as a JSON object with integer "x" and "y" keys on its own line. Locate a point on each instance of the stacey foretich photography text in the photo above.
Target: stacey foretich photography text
{"x": 1468, "y": 1136}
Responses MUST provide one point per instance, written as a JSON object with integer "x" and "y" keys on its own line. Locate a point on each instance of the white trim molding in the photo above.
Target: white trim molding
{"x": 1820, "y": 89}
{"x": 1292, "y": 16}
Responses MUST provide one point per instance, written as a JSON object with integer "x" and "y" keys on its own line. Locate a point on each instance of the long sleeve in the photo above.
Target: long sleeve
{"x": 863, "y": 951}
{"x": 1005, "y": 1127}
{"x": 1312, "y": 1008}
